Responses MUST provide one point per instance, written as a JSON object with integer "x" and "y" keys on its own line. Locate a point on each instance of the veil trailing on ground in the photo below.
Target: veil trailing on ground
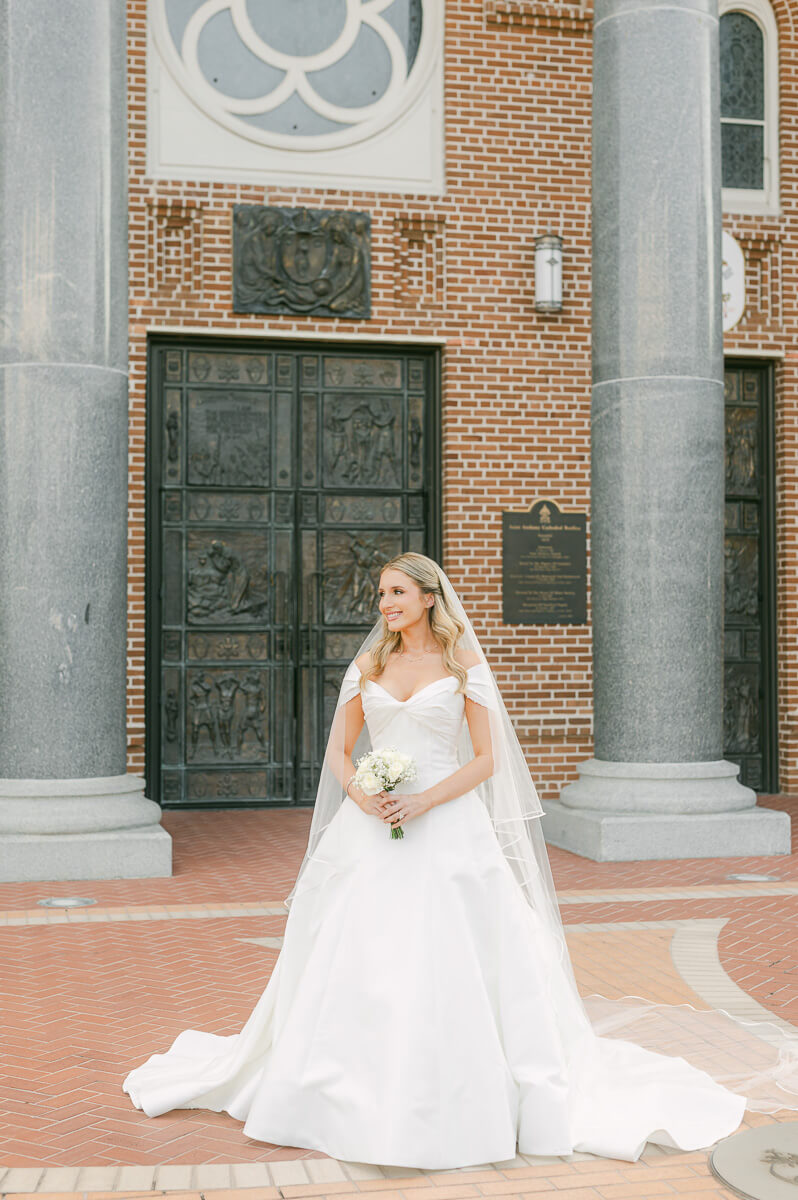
{"x": 757, "y": 1058}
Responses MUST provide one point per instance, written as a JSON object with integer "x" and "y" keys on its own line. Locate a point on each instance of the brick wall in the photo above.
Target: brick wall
{"x": 516, "y": 385}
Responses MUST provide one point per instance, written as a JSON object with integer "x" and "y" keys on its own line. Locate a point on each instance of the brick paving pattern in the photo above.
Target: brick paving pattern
{"x": 90, "y": 993}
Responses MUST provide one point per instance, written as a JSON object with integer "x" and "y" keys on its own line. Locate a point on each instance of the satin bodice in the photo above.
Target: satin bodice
{"x": 427, "y": 725}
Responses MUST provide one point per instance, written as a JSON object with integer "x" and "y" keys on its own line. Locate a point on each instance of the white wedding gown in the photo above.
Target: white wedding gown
{"x": 416, "y": 1016}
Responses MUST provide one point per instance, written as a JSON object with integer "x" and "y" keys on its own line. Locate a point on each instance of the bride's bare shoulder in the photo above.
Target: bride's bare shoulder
{"x": 467, "y": 658}
{"x": 363, "y": 661}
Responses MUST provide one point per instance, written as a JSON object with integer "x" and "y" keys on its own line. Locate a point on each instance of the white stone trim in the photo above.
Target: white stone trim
{"x": 303, "y": 335}
{"x": 695, "y": 955}
{"x": 766, "y": 201}
{"x": 638, "y": 926}
{"x": 371, "y": 119}
{"x": 655, "y": 895}
{"x": 193, "y": 134}
{"x": 275, "y": 908}
{"x": 112, "y": 913}
{"x": 206, "y": 1176}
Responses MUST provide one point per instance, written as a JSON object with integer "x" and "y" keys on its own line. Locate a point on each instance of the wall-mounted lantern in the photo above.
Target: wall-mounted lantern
{"x": 548, "y": 273}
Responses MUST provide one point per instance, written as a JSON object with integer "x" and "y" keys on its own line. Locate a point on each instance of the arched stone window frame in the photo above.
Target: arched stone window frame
{"x": 764, "y": 201}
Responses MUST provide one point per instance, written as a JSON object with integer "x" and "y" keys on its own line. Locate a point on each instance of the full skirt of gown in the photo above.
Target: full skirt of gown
{"x": 415, "y": 1018}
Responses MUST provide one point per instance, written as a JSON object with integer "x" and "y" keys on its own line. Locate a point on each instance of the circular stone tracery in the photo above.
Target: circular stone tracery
{"x": 312, "y": 74}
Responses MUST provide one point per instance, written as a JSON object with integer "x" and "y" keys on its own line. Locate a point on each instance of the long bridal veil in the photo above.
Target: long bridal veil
{"x": 755, "y": 1058}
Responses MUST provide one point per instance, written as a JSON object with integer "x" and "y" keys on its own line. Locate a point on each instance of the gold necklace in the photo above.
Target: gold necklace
{"x": 424, "y": 653}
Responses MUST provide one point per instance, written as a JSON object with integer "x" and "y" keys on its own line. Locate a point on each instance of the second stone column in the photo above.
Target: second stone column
{"x": 658, "y": 786}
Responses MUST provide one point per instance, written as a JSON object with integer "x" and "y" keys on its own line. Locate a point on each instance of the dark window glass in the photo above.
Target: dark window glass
{"x": 742, "y": 101}
{"x": 742, "y": 156}
{"x": 742, "y": 68}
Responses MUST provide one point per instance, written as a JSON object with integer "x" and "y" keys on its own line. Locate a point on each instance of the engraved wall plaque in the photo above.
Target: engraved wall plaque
{"x": 299, "y": 260}
{"x": 544, "y": 566}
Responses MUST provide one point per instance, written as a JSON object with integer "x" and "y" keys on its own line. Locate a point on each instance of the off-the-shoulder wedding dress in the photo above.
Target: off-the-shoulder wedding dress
{"x": 417, "y": 1015}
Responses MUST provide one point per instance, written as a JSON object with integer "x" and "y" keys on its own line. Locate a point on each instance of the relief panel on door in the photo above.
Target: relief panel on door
{"x": 226, "y": 570}
{"x": 749, "y": 660}
{"x": 367, "y": 506}
{"x": 286, "y": 480}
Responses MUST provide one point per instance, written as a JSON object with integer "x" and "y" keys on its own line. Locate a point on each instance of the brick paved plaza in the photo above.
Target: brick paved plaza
{"x": 88, "y": 994}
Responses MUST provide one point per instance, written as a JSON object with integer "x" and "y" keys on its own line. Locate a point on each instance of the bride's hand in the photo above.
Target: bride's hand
{"x": 373, "y": 805}
{"x": 401, "y": 809}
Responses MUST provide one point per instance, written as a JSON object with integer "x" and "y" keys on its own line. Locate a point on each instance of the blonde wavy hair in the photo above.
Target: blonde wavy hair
{"x": 445, "y": 627}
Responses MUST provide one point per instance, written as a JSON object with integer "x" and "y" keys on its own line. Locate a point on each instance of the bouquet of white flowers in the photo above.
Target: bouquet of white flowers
{"x": 381, "y": 771}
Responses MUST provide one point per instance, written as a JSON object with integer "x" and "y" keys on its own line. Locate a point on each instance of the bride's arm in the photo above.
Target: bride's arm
{"x": 347, "y": 724}
{"x": 343, "y": 766}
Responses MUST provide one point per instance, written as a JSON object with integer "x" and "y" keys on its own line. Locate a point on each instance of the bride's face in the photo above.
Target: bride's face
{"x": 402, "y": 601}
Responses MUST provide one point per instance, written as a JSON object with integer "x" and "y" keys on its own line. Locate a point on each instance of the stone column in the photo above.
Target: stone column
{"x": 658, "y": 786}
{"x": 68, "y": 810}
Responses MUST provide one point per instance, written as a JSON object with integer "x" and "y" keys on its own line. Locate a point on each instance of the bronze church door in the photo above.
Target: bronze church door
{"x": 279, "y": 480}
{"x": 749, "y": 714}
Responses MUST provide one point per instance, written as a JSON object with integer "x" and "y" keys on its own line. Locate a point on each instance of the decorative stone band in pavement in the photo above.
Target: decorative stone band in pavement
{"x": 710, "y": 892}
{"x": 294, "y": 1176}
{"x": 695, "y": 955}
{"x": 759, "y": 1164}
{"x": 177, "y": 1176}
{"x": 171, "y": 912}
{"x": 140, "y": 912}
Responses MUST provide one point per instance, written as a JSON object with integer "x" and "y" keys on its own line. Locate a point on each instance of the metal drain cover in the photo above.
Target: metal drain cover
{"x": 759, "y": 1164}
{"x": 65, "y": 902}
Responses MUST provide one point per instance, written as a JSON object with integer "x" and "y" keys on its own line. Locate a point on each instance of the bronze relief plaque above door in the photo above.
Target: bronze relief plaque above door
{"x": 749, "y": 712}
{"x": 297, "y": 260}
{"x": 279, "y": 480}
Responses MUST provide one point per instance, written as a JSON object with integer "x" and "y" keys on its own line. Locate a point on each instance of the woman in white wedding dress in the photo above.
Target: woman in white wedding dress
{"x": 422, "y": 1011}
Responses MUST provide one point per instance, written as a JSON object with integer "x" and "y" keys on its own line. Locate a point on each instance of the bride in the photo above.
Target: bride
{"x": 423, "y": 1010}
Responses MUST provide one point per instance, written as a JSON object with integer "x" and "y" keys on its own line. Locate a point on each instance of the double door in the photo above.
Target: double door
{"x": 281, "y": 480}
{"x": 749, "y": 712}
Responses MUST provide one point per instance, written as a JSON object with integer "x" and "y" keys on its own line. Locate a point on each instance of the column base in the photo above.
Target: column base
{"x": 628, "y": 837}
{"x": 94, "y": 828}
{"x": 658, "y": 787}
{"x": 118, "y": 854}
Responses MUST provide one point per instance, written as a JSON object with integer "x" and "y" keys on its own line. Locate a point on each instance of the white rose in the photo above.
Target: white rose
{"x": 369, "y": 783}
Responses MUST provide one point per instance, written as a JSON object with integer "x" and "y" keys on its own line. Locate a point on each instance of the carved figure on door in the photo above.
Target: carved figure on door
{"x": 202, "y": 712}
{"x": 254, "y": 708}
{"x": 385, "y": 447}
{"x": 228, "y": 686}
{"x": 337, "y": 440}
{"x": 171, "y": 711}
{"x": 233, "y": 572}
{"x": 204, "y": 591}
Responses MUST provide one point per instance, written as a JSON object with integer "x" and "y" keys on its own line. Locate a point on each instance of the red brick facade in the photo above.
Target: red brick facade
{"x": 458, "y": 270}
